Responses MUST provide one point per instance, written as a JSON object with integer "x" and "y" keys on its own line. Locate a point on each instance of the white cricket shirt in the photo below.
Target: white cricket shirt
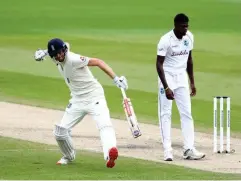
{"x": 82, "y": 84}
{"x": 176, "y": 51}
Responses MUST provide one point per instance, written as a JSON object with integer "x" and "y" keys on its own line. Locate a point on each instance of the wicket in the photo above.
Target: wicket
{"x": 221, "y": 124}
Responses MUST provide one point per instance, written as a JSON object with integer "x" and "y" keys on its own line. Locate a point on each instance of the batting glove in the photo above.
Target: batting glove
{"x": 40, "y": 54}
{"x": 121, "y": 82}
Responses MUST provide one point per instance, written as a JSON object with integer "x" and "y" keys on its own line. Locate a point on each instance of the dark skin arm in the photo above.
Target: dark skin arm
{"x": 190, "y": 74}
{"x": 161, "y": 74}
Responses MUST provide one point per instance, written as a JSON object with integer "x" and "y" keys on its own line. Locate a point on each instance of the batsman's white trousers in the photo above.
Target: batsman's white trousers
{"x": 99, "y": 111}
{"x": 179, "y": 84}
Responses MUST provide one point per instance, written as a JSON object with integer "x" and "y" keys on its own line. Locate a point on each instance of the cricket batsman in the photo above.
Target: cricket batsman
{"x": 174, "y": 65}
{"x": 87, "y": 97}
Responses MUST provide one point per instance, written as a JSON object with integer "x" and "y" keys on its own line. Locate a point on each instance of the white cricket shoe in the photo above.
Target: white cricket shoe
{"x": 193, "y": 154}
{"x": 63, "y": 161}
{"x": 168, "y": 156}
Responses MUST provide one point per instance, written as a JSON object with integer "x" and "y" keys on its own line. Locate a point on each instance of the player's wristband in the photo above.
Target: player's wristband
{"x": 166, "y": 88}
{"x": 116, "y": 78}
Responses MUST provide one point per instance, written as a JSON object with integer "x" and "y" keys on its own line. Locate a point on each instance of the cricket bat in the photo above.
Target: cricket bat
{"x": 130, "y": 115}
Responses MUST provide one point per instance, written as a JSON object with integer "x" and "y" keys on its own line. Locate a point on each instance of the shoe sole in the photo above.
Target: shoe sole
{"x": 58, "y": 163}
{"x": 113, "y": 155}
{"x": 191, "y": 158}
{"x": 168, "y": 159}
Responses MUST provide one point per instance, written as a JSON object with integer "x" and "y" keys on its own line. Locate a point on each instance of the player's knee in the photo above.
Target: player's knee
{"x": 185, "y": 112}
{"x": 166, "y": 115}
{"x": 60, "y": 133}
{"x": 64, "y": 141}
{"x": 105, "y": 127}
{"x": 103, "y": 123}
{"x": 186, "y": 116}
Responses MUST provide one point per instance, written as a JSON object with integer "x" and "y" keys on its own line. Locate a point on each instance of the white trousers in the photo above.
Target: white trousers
{"x": 99, "y": 111}
{"x": 178, "y": 83}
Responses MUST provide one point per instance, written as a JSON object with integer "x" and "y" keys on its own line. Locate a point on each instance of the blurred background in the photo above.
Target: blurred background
{"x": 125, "y": 35}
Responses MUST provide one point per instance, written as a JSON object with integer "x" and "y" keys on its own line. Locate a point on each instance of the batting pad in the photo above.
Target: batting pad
{"x": 65, "y": 142}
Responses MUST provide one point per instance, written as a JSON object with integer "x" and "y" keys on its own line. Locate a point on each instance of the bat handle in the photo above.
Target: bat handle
{"x": 123, "y": 93}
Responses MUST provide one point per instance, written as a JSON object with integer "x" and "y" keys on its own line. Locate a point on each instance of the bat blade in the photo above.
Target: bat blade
{"x": 131, "y": 117}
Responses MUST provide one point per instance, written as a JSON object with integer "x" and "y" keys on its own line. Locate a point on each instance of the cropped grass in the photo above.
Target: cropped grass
{"x": 125, "y": 35}
{"x": 31, "y": 161}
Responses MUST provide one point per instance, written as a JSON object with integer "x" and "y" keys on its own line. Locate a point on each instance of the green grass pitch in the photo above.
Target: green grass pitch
{"x": 125, "y": 35}
{"x": 32, "y": 161}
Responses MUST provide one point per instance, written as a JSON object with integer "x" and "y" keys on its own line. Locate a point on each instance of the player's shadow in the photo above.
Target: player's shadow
{"x": 132, "y": 146}
{"x": 86, "y": 137}
{"x": 180, "y": 146}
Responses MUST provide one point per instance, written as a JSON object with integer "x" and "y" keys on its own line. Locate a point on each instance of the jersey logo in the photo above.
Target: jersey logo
{"x": 186, "y": 42}
{"x": 82, "y": 58}
{"x": 179, "y": 53}
{"x": 52, "y": 46}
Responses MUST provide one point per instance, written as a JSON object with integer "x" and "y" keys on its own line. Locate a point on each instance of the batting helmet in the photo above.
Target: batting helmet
{"x": 55, "y": 46}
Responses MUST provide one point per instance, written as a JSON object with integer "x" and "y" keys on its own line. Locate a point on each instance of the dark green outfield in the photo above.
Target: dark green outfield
{"x": 124, "y": 34}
